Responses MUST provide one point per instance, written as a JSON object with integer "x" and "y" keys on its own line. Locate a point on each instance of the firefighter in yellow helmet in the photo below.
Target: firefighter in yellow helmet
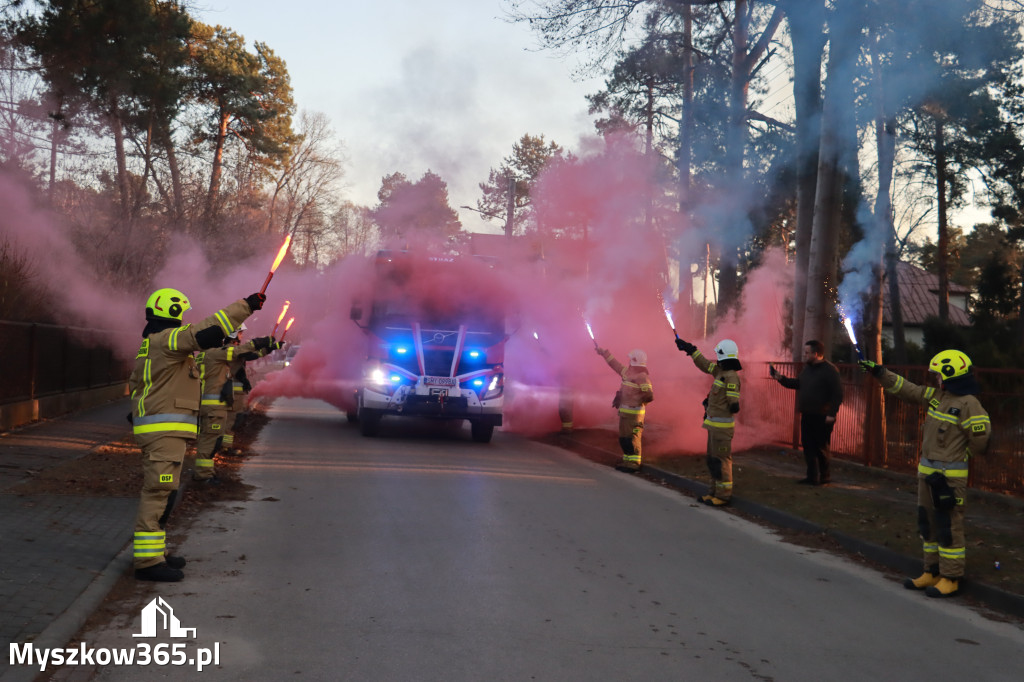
{"x": 218, "y": 398}
{"x": 165, "y": 393}
{"x": 955, "y": 428}
{"x": 632, "y": 397}
{"x": 720, "y": 408}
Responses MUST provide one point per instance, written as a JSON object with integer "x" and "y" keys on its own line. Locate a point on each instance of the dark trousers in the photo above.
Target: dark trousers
{"x": 815, "y": 434}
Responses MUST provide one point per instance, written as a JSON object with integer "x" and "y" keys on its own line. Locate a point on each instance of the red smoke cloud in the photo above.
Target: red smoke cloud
{"x": 612, "y": 278}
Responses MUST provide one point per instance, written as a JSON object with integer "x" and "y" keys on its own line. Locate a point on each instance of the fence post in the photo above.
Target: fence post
{"x": 33, "y": 361}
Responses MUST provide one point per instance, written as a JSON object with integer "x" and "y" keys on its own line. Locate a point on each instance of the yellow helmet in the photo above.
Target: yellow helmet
{"x": 950, "y": 364}
{"x": 167, "y": 303}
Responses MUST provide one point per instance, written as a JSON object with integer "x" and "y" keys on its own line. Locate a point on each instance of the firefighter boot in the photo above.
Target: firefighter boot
{"x": 713, "y": 501}
{"x": 161, "y": 573}
{"x": 925, "y": 580}
{"x": 177, "y": 562}
{"x": 945, "y": 587}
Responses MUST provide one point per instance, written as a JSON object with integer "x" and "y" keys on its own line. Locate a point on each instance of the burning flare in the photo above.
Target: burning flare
{"x": 591, "y": 332}
{"x": 848, "y": 323}
{"x": 281, "y": 317}
{"x": 286, "y": 328}
{"x": 277, "y": 261}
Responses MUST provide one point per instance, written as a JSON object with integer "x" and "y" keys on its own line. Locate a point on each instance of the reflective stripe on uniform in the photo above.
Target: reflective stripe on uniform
{"x": 895, "y": 388}
{"x": 225, "y": 322}
{"x": 972, "y": 423}
{"x": 950, "y": 469}
{"x": 204, "y": 463}
{"x": 943, "y": 417}
{"x": 931, "y": 547}
{"x": 953, "y": 552}
{"x": 149, "y": 544}
{"x": 156, "y": 423}
{"x": 212, "y": 399}
{"x": 631, "y": 410}
{"x": 719, "y": 422}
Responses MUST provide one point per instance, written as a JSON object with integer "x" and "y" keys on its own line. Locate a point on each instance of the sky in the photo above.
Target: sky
{"x": 411, "y": 86}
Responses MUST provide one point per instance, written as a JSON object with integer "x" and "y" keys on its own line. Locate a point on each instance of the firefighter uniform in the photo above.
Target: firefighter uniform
{"x": 165, "y": 393}
{"x": 720, "y": 408}
{"x": 566, "y": 398}
{"x": 956, "y": 427}
{"x": 218, "y": 397}
{"x": 632, "y": 397}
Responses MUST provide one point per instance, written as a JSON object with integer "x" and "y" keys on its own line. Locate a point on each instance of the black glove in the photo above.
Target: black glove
{"x": 686, "y": 347}
{"x": 256, "y": 301}
{"x": 734, "y": 408}
{"x": 276, "y": 345}
{"x": 868, "y": 366}
{"x": 772, "y": 372}
{"x": 262, "y": 342}
{"x": 130, "y": 419}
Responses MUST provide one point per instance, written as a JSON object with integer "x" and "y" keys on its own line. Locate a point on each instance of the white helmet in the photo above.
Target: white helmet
{"x": 241, "y": 328}
{"x": 727, "y": 350}
{"x": 637, "y": 358}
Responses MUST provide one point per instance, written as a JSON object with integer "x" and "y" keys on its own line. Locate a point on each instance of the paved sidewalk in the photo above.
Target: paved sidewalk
{"x": 59, "y": 554}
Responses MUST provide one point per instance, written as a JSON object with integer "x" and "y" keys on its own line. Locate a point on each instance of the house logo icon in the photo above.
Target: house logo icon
{"x": 158, "y": 618}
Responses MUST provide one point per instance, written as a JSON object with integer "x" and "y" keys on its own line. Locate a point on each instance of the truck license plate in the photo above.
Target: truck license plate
{"x": 439, "y": 381}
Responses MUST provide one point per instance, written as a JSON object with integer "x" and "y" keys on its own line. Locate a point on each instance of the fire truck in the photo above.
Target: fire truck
{"x": 435, "y": 343}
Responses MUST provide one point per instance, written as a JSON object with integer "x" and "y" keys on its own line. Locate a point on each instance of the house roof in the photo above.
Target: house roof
{"x": 919, "y": 297}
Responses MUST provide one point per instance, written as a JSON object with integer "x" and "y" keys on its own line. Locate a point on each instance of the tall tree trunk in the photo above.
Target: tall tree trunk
{"x": 177, "y": 194}
{"x": 835, "y": 123}
{"x": 54, "y": 137}
{"x": 942, "y": 257}
{"x": 123, "y": 188}
{"x": 686, "y": 127}
{"x": 728, "y": 278}
{"x": 875, "y": 441}
{"x": 649, "y": 155}
{"x": 807, "y": 31}
{"x": 217, "y": 167}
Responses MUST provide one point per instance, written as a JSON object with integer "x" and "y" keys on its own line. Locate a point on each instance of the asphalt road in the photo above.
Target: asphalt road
{"x": 423, "y": 556}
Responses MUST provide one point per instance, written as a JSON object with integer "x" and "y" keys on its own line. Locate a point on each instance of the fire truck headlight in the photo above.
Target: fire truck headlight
{"x": 495, "y": 388}
{"x": 377, "y": 377}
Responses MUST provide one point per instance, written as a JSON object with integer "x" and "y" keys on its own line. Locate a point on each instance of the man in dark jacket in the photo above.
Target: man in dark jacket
{"x": 819, "y": 395}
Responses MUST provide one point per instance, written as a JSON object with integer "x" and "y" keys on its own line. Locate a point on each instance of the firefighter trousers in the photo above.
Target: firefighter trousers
{"x": 719, "y": 460}
{"x": 161, "y": 475}
{"x": 631, "y": 429}
{"x": 942, "y": 531}
{"x": 211, "y": 436}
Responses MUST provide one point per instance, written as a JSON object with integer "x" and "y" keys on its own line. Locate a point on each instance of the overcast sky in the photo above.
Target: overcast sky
{"x": 412, "y": 85}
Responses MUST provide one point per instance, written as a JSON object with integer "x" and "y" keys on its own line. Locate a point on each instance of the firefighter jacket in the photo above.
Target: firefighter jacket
{"x": 723, "y": 399}
{"x": 955, "y": 426}
{"x": 164, "y": 384}
{"x": 215, "y": 373}
{"x": 636, "y": 390}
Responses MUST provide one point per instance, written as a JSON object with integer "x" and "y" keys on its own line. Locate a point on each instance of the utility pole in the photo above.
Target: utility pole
{"x": 510, "y": 215}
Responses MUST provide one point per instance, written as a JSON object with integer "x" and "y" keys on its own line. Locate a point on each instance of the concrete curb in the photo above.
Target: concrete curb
{"x": 987, "y": 595}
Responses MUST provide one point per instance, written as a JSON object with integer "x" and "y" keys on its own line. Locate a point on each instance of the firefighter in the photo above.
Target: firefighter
{"x": 955, "y": 428}
{"x": 218, "y": 397}
{"x": 240, "y": 388}
{"x": 630, "y": 399}
{"x": 720, "y": 408}
{"x": 165, "y": 393}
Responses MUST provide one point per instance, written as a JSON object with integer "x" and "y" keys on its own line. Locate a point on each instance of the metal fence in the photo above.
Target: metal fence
{"x": 1001, "y": 469}
{"x": 40, "y": 360}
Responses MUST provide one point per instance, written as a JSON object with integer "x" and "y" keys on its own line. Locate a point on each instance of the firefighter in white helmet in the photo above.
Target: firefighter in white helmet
{"x": 956, "y": 427}
{"x": 165, "y": 393}
{"x": 720, "y": 408}
{"x": 631, "y": 398}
